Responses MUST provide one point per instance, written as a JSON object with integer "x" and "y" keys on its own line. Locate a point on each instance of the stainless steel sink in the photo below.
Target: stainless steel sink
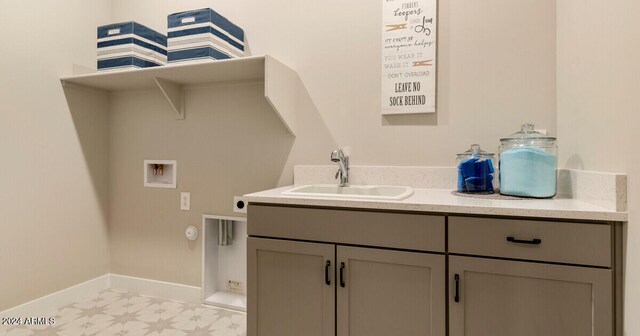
{"x": 354, "y": 191}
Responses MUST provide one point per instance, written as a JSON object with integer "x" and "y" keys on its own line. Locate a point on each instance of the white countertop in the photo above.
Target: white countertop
{"x": 443, "y": 201}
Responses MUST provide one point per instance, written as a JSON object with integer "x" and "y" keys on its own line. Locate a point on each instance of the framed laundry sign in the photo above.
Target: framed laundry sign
{"x": 409, "y": 56}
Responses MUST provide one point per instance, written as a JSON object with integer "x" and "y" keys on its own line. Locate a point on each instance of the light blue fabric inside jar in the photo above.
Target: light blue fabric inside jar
{"x": 528, "y": 171}
{"x": 528, "y": 164}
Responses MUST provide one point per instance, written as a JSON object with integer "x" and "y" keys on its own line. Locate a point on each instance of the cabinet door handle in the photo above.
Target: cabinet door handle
{"x": 535, "y": 241}
{"x": 456, "y": 280}
{"x": 327, "y": 279}
{"x": 342, "y": 284}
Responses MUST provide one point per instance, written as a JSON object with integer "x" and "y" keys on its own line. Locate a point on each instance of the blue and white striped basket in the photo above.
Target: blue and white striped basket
{"x": 130, "y": 45}
{"x": 203, "y": 34}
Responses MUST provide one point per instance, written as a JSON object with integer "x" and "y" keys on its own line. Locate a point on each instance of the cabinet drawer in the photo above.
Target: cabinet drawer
{"x": 562, "y": 242}
{"x": 381, "y": 229}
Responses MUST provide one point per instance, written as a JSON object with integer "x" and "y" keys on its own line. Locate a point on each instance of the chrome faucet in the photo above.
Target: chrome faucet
{"x": 343, "y": 172}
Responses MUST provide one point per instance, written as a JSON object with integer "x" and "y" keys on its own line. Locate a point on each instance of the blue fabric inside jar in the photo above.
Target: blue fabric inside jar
{"x": 475, "y": 175}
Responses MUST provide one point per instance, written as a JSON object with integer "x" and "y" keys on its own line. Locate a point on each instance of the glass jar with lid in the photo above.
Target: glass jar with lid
{"x": 528, "y": 164}
{"x": 475, "y": 170}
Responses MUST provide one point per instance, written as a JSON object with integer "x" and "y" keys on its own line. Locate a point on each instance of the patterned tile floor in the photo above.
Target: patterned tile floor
{"x": 116, "y": 313}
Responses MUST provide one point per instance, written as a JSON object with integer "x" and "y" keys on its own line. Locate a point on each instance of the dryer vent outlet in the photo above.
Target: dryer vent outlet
{"x": 239, "y": 204}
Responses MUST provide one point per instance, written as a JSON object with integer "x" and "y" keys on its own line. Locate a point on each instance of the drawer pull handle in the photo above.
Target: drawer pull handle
{"x": 535, "y": 241}
{"x": 342, "y": 284}
{"x": 456, "y": 279}
{"x": 327, "y": 279}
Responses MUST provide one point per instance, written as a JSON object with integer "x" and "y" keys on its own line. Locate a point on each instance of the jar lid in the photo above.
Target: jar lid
{"x": 528, "y": 132}
{"x": 475, "y": 150}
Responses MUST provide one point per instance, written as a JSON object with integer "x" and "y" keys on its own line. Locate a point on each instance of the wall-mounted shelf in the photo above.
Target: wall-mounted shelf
{"x": 280, "y": 81}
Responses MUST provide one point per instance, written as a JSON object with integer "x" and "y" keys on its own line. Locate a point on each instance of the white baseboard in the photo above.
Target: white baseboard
{"x": 50, "y": 303}
{"x": 163, "y": 289}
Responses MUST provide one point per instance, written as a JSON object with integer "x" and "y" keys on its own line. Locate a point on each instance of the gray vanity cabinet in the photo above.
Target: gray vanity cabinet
{"x": 292, "y": 290}
{"x": 506, "y": 298}
{"x": 380, "y": 291}
{"x": 562, "y": 283}
{"x": 386, "y": 292}
{"x": 289, "y": 293}
{"x": 347, "y": 272}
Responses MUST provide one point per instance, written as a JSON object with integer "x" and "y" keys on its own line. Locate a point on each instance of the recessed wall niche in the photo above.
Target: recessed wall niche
{"x": 160, "y": 173}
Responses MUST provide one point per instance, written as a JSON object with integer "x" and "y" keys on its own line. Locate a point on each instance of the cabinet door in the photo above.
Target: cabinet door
{"x": 500, "y": 297}
{"x": 384, "y": 292}
{"x": 290, "y": 288}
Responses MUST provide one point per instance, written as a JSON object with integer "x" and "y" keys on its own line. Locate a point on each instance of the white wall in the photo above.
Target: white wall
{"x": 230, "y": 143}
{"x": 598, "y": 108}
{"x": 53, "y": 228}
{"x": 497, "y": 69}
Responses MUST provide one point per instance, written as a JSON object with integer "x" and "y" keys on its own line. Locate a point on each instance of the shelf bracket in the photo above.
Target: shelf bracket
{"x": 174, "y": 95}
{"x": 280, "y": 89}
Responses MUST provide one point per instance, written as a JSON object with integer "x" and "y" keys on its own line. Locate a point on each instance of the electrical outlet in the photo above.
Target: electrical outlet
{"x": 235, "y": 286}
{"x": 185, "y": 201}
